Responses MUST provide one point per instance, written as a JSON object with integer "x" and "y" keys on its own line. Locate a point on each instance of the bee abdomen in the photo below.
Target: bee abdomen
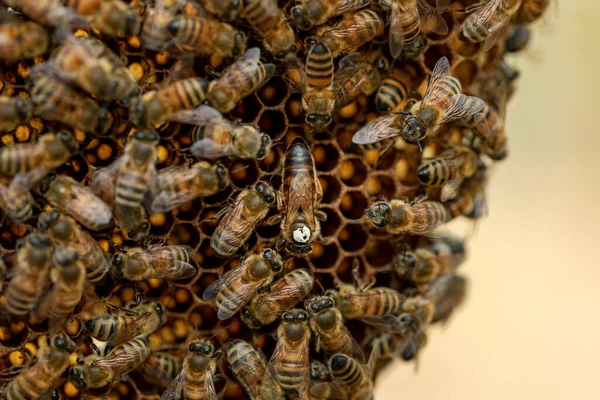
{"x": 319, "y": 66}
{"x": 130, "y": 190}
{"x": 390, "y": 94}
{"x": 436, "y": 173}
{"x": 20, "y": 300}
{"x": 29, "y": 385}
{"x": 102, "y": 327}
{"x": 345, "y": 369}
{"x": 291, "y": 372}
{"x": 259, "y": 13}
{"x": 191, "y": 92}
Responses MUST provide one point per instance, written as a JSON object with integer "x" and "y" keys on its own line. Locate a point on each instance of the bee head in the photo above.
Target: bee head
{"x": 44, "y": 184}
{"x": 379, "y": 214}
{"x": 203, "y": 347}
{"x": 405, "y": 262}
{"x": 318, "y": 121}
{"x": 38, "y": 241}
{"x": 139, "y": 232}
{"x": 77, "y": 377}
{"x": 66, "y": 140}
{"x": 413, "y": 129}
{"x": 132, "y": 24}
{"x": 319, "y": 304}
{"x": 61, "y": 341}
{"x": 266, "y": 192}
{"x": 299, "y": 19}
{"x": 104, "y": 120}
{"x": 223, "y": 176}
{"x": 47, "y": 220}
{"x": 265, "y": 146}
{"x": 273, "y": 258}
{"x": 159, "y": 309}
{"x": 249, "y": 319}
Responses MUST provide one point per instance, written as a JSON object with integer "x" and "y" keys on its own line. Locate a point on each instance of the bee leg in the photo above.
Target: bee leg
{"x": 321, "y": 216}
{"x": 222, "y": 212}
{"x": 275, "y": 219}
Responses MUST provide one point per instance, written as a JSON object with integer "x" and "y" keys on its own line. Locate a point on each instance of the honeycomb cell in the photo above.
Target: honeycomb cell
{"x": 353, "y": 204}
{"x": 13, "y": 332}
{"x": 465, "y": 48}
{"x": 208, "y": 220}
{"x": 324, "y": 255}
{"x": 379, "y": 252}
{"x": 434, "y": 53}
{"x": 208, "y": 316}
{"x": 380, "y": 186}
{"x": 353, "y": 238}
{"x": 331, "y": 188}
{"x": 330, "y": 226}
{"x": 189, "y": 210}
{"x": 274, "y": 92}
{"x": 161, "y": 223}
{"x": 326, "y": 157}
{"x": 293, "y": 108}
{"x": 353, "y": 171}
{"x": 243, "y": 173}
{"x": 11, "y": 233}
{"x": 205, "y": 257}
{"x": 273, "y": 123}
{"x": 187, "y": 234}
{"x": 101, "y": 152}
{"x": 465, "y": 71}
{"x": 218, "y": 198}
{"x": 344, "y": 269}
{"x": 247, "y": 110}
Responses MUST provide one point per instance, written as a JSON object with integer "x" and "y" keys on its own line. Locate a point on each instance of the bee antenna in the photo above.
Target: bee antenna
{"x": 223, "y": 330}
{"x": 239, "y": 169}
{"x": 321, "y": 286}
{"x": 118, "y": 247}
{"x": 359, "y": 220}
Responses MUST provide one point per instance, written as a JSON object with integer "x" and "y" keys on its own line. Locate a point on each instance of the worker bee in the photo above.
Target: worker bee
{"x": 248, "y": 366}
{"x": 16, "y": 200}
{"x": 51, "y": 151}
{"x": 39, "y": 380}
{"x": 393, "y": 93}
{"x": 350, "y": 33}
{"x": 425, "y": 263}
{"x": 449, "y": 169}
{"x": 195, "y": 380}
{"x": 161, "y": 368}
{"x": 15, "y": 111}
{"x": 300, "y": 193}
{"x": 447, "y": 293}
{"x": 90, "y": 65}
{"x": 48, "y": 12}
{"x": 488, "y": 22}
{"x": 76, "y": 200}
{"x": 202, "y": 36}
{"x": 155, "y": 33}
{"x": 289, "y": 369}
{"x": 416, "y": 343}
{"x": 271, "y": 23}
{"x": 240, "y": 219}
{"x": 22, "y": 39}
{"x": 67, "y": 276}
{"x": 226, "y": 10}
{"x": 532, "y": 10}
{"x": 320, "y": 388}
{"x": 471, "y": 201}
{"x": 353, "y": 377}
{"x": 400, "y": 216}
{"x": 137, "y": 318}
{"x": 166, "y": 262}
{"x": 309, "y": 13}
{"x": 113, "y": 18}
{"x": 154, "y": 108}
{"x": 34, "y": 258}
{"x": 64, "y": 230}
{"x": 55, "y": 101}
{"x": 97, "y": 372}
{"x": 327, "y": 325}
{"x": 237, "y": 287}
{"x": 442, "y": 103}
{"x": 408, "y": 17}
{"x": 215, "y": 136}
{"x": 173, "y": 187}
{"x": 284, "y": 294}
{"x": 239, "y": 80}
{"x": 490, "y": 126}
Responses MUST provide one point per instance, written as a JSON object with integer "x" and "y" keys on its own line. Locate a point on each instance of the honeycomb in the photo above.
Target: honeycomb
{"x": 351, "y": 181}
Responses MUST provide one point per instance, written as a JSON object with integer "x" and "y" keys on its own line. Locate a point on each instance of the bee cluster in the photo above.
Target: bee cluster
{"x": 239, "y": 198}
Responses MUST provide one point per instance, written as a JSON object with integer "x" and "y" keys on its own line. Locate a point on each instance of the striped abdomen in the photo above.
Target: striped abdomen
{"x": 40, "y": 11}
{"x": 249, "y": 71}
{"x": 411, "y": 23}
{"x": 96, "y": 261}
{"x": 126, "y": 356}
{"x": 18, "y": 158}
{"x": 346, "y": 370}
{"x": 355, "y": 31}
{"x": 391, "y": 93}
{"x": 380, "y": 301}
{"x": 39, "y": 379}
{"x": 531, "y": 10}
{"x": 163, "y": 258}
{"x": 427, "y": 216}
{"x": 161, "y": 368}
{"x": 298, "y": 158}
{"x": 462, "y": 205}
{"x": 439, "y": 171}
{"x": 103, "y": 327}
{"x": 263, "y": 15}
{"x": 483, "y": 121}
{"x": 63, "y": 299}
{"x": 16, "y": 202}
{"x": 241, "y": 356}
{"x": 130, "y": 188}
{"x": 319, "y": 67}
{"x": 22, "y": 294}
{"x": 291, "y": 369}
{"x": 184, "y": 94}
{"x": 154, "y": 31}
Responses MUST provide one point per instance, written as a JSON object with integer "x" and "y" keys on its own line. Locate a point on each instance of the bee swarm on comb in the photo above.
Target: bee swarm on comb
{"x": 240, "y": 198}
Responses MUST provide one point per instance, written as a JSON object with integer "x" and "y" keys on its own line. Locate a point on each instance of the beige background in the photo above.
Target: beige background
{"x": 530, "y": 327}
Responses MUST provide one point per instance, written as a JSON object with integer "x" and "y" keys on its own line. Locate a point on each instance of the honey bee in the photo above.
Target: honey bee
{"x": 300, "y": 193}
{"x": 68, "y": 277}
{"x": 155, "y": 33}
{"x": 154, "y": 108}
{"x": 195, "y": 380}
{"x": 98, "y": 372}
{"x": 65, "y": 231}
{"x": 400, "y": 216}
{"x": 89, "y": 65}
{"x": 16, "y": 200}
{"x": 449, "y": 169}
{"x": 447, "y": 292}
{"x": 202, "y": 36}
{"x": 421, "y": 310}
{"x": 161, "y": 368}
{"x": 140, "y": 317}
{"x": 22, "y": 39}
{"x": 76, "y": 200}
{"x": 518, "y": 39}
{"x": 443, "y": 256}
{"x": 393, "y": 92}
{"x": 284, "y": 294}
{"x": 489, "y": 22}
{"x": 166, "y": 262}
{"x": 408, "y": 17}
{"x": 353, "y": 377}
{"x": 248, "y": 366}
{"x": 15, "y": 111}
{"x": 226, "y": 10}
{"x": 416, "y": 343}
{"x": 237, "y": 287}
{"x": 173, "y": 187}
{"x": 48, "y": 12}
{"x": 271, "y": 23}
{"x": 123, "y": 184}
{"x": 490, "y": 126}
{"x": 55, "y": 101}
{"x": 350, "y": 33}
{"x": 216, "y": 137}
{"x": 239, "y": 80}
{"x": 240, "y": 219}
{"x": 40, "y": 379}
{"x": 309, "y": 13}
{"x": 442, "y": 103}
{"x": 113, "y": 18}
{"x": 289, "y": 369}
{"x": 320, "y": 389}
{"x": 51, "y": 151}
{"x": 532, "y": 10}
{"x": 327, "y": 325}
{"x": 34, "y": 258}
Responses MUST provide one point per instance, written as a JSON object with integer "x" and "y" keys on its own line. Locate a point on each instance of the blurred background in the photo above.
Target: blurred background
{"x": 529, "y": 328}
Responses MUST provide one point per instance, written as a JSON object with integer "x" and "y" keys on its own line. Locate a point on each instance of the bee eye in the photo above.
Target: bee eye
{"x": 302, "y": 316}
{"x": 287, "y": 317}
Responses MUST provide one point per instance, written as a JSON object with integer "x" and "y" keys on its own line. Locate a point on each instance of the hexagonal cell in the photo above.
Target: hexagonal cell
{"x": 353, "y": 171}
{"x": 464, "y": 48}
{"x": 184, "y": 233}
{"x": 77, "y": 168}
{"x": 204, "y": 280}
{"x": 434, "y": 53}
{"x": 11, "y": 233}
{"x": 220, "y": 197}
{"x": 243, "y": 173}
{"x": 178, "y": 300}
{"x": 265, "y": 231}
{"x": 293, "y": 108}
{"x": 208, "y": 316}
{"x": 208, "y": 221}
{"x": 273, "y": 123}
{"x": 14, "y": 332}
{"x": 206, "y": 258}
{"x": 323, "y": 281}
{"x": 353, "y": 204}
{"x": 247, "y": 110}
{"x": 331, "y": 188}
{"x": 379, "y": 252}
{"x": 273, "y": 92}
{"x": 381, "y": 186}
{"x": 189, "y": 211}
{"x": 101, "y": 152}
{"x": 324, "y": 255}
{"x": 465, "y": 71}
{"x": 326, "y": 156}
{"x": 160, "y": 223}
{"x": 332, "y": 224}
{"x": 344, "y": 269}
{"x": 352, "y": 237}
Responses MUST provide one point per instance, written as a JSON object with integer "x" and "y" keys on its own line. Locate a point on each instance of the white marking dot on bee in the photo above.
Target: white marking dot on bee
{"x": 302, "y": 235}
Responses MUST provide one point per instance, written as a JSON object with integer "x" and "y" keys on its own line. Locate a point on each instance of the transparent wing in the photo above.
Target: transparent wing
{"x": 129, "y": 331}
{"x": 377, "y": 130}
{"x": 348, "y": 90}
{"x": 173, "y": 392}
{"x": 349, "y": 61}
{"x": 486, "y": 16}
{"x": 176, "y": 270}
{"x": 354, "y": 350}
{"x": 496, "y": 33}
{"x": 302, "y": 193}
{"x": 450, "y": 189}
{"x": 389, "y": 323}
{"x": 350, "y": 5}
{"x": 207, "y": 148}
{"x": 28, "y": 179}
{"x": 202, "y": 116}
{"x": 442, "y": 5}
{"x": 210, "y": 385}
{"x": 461, "y": 106}
{"x": 436, "y": 85}
{"x": 167, "y": 200}
{"x": 350, "y": 32}
{"x": 121, "y": 363}
{"x": 431, "y": 19}
{"x": 395, "y": 31}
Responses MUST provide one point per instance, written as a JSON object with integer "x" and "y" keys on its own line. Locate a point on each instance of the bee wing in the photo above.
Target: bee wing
{"x": 302, "y": 353}
{"x": 173, "y": 392}
{"x": 243, "y": 294}
{"x": 496, "y": 33}
{"x": 247, "y": 366}
{"x": 350, "y": 6}
{"x": 210, "y": 385}
{"x": 486, "y": 16}
{"x": 450, "y": 189}
{"x": 202, "y": 116}
{"x": 355, "y": 351}
{"x": 302, "y": 195}
{"x": 130, "y": 330}
{"x": 167, "y": 200}
{"x": 501, "y": 99}
{"x": 348, "y": 61}
{"x": 396, "y": 35}
{"x": 442, "y": 5}
{"x": 207, "y": 148}
{"x": 347, "y": 90}
{"x": 461, "y": 106}
{"x": 431, "y": 19}
{"x": 81, "y": 199}
{"x": 380, "y": 129}
{"x": 28, "y": 179}
{"x": 437, "y": 82}
{"x": 388, "y": 323}
{"x": 120, "y": 363}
